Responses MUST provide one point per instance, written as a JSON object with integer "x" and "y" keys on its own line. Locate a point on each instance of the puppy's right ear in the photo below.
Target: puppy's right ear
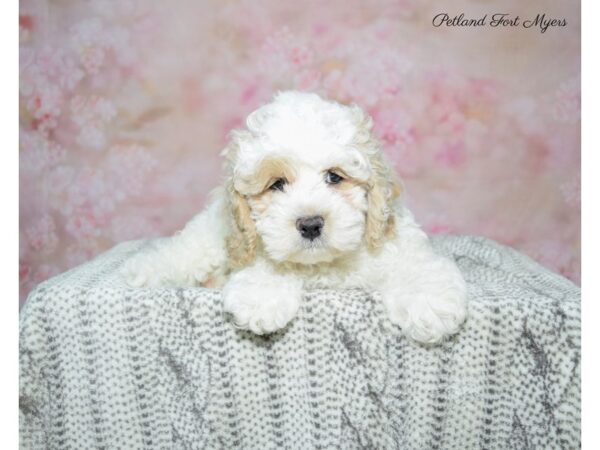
{"x": 242, "y": 238}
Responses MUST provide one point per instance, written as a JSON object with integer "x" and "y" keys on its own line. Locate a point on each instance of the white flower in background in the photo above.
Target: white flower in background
{"x": 92, "y": 59}
{"x": 70, "y": 75}
{"x": 89, "y": 40}
{"x": 93, "y": 107}
{"x": 86, "y": 187}
{"x": 371, "y": 68}
{"x": 92, "y": 114}
{"x": 120, "y": 42}
{"x": 82, "y": 226}
{"x": 37, "y": 153}
{"x": 571, "y": 192}
{"x": 526, "y": 113}
{"x": 283, "y": 54}
{"x": 58, "y": 66}
{"x": 128, "y": 167}
{"x": 567, "y": 101}
{"x": 92, "y": 136}
{"x": 128, "y": 227}
{"x": 54, "y": 184}
{"x": 26, "y": 61}
{"x": 41, "y": 235}
{"x": 46, "y": 76}
{"x": 92, "y": 40}
{"x": 44, "y": 104}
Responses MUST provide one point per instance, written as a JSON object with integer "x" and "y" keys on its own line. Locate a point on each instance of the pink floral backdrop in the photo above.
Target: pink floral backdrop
{"x": 126, "y": 104}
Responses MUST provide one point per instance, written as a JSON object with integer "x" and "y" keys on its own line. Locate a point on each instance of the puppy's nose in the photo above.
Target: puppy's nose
{"x": 310, "y": 227}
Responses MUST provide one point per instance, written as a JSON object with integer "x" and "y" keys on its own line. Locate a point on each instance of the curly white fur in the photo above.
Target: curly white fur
{"x": 248, "y": 241}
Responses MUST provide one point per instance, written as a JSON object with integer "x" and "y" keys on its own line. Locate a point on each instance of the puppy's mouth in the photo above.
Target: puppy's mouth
{"x": 313, "y": 244}
{"x": 314, "y": 251}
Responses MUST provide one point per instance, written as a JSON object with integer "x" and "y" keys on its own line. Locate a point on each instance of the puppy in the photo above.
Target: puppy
{"x": 309, "y": 202}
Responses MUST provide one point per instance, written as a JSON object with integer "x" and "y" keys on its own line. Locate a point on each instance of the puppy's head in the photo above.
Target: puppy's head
{"x": 307, "y": 183}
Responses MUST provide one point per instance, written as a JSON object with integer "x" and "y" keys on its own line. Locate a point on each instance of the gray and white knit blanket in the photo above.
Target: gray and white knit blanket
{"x": 108, "y": 366}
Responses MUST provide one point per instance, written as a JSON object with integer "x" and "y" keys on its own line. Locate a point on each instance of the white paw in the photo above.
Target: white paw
{"x": 428, "y": 316}
{"x": 138, "y": 273}
{"x": 149, "y": 269}
{"x": 261, "y": 307}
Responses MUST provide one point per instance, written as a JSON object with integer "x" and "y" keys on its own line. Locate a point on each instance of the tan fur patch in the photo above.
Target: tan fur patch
{"x": 242, "y": 240}
{"x": 260, "y": 202}
{"x": 347, "y": 183}
{"x": 383, "y": 190}
{"x": 268, "y": 171}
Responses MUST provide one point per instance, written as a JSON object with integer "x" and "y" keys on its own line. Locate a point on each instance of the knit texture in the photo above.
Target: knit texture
{"x": 108, "y": 366}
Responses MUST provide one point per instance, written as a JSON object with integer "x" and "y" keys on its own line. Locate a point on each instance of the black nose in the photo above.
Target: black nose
{"x": 310, "y": 227}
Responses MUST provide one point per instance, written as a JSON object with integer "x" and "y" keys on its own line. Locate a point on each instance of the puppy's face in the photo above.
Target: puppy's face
{"x": 307, "y": 183}
{"x": 306, "y": 212}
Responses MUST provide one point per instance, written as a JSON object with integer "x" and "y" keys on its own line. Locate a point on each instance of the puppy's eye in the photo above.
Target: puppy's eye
{"x": 278, "y": 184}
{"x": 332, "y": 178}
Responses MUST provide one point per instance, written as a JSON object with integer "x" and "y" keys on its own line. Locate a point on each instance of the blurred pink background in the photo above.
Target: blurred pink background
{"x": 125, "y": 106}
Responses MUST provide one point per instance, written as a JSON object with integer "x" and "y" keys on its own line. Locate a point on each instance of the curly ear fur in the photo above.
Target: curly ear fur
{"x": 383, "y": 188}
{"x": 382, "y": 191}
{"x": 242, "y": 239}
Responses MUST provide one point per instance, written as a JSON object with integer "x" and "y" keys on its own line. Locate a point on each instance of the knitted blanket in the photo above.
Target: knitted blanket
{"x": 108, "y": 366}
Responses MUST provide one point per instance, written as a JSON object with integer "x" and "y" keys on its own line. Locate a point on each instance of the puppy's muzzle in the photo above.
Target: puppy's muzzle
{"x": 310, "y": 227}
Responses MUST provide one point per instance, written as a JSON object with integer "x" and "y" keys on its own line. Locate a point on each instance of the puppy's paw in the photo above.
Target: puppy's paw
{"x": 428, "y": 317}
{"x": 154, "y": 269}
{"x": 138, "y": 273}
{"x": 261, "y": 307}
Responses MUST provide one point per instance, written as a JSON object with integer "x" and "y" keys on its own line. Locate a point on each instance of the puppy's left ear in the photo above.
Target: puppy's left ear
{"x": 383, "y": 189}
{"x": 383, "y": 185}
